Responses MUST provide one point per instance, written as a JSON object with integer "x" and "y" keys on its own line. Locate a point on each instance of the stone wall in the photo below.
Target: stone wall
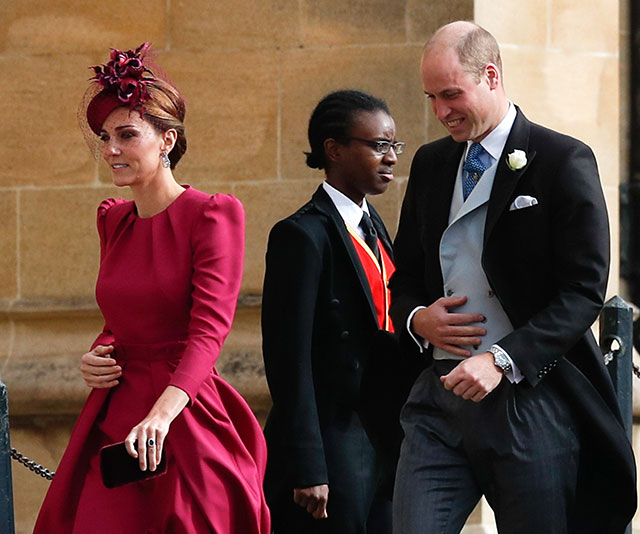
{"x": 251, "y": 72}
{"x": 561, "y": 62}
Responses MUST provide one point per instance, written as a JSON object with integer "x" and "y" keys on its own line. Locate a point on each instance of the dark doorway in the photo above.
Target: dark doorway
{"x": 630, "y": 192}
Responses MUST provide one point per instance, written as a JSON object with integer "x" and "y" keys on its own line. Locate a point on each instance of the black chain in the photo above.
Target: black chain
{"x": 609, "y": 356}
{"x": 31, "y": 465}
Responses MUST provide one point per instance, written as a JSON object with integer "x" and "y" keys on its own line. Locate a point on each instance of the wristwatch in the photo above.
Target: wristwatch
{"x": 500, "y": 360}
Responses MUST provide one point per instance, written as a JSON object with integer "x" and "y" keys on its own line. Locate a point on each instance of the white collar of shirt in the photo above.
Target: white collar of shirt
{"x": 497, "y": 138}
{"x": 350, "y": 212}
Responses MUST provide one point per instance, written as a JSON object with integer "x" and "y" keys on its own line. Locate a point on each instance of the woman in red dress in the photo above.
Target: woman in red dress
{"x": 170, "y": 273}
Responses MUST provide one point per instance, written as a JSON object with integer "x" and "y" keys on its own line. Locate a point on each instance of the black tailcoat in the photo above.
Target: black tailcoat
{"x": 548, "y": 265}
{"x": 320, "y": 333}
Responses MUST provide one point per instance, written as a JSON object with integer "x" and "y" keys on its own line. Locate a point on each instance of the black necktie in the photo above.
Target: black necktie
{"x": 370, "y": 234}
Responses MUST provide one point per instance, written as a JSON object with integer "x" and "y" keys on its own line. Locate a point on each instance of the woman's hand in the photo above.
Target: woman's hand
{"x": 151, "y": 432}
{"x": 99, "y": 369}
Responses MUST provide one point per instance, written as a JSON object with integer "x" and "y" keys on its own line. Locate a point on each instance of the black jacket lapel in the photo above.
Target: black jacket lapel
{"x": 440, "y": 195}
{"x": 325, "y": 205}
{"x": 506, "y": 179}
{"x": 437, "y": 205}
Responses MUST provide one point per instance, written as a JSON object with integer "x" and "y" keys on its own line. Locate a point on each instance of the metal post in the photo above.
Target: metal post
{"x": 7, "y": 524}
{"x": 616, "y": 344}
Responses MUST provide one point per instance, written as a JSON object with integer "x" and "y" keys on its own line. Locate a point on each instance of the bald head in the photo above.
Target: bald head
{"x": 450, "y": 34}
{"x": 462, "y": 77}
{"x": 474, "y": 46}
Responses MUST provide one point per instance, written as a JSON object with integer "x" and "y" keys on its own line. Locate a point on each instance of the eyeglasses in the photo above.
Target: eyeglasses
{"x": 381, "y": 147}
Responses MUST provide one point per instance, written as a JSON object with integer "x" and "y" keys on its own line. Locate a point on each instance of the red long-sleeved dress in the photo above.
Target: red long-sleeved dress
{"x": 167, "y": 288}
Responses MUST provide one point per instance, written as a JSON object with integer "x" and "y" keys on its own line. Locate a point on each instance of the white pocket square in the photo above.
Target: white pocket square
{"x": 523, "y": 201}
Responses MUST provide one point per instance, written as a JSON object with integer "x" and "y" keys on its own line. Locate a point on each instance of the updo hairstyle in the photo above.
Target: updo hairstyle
{"x": 131, "y": 79}
{"x": 333, "y": 119}
{"x": 165, "y": 111}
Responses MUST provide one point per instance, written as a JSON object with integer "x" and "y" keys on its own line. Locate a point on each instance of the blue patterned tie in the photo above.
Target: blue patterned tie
{"x": 473, "y": 169}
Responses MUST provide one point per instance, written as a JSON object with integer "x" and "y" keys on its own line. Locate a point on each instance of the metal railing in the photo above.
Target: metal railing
{"x": 6, "y": 488}
{"x": 616, "y": 344}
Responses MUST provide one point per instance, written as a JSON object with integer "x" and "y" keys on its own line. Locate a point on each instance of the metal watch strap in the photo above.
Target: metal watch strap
{"x": 500, "y": 360}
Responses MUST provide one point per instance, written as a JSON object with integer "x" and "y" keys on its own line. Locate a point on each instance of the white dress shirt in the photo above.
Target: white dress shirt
{"x": 350, "y": 212}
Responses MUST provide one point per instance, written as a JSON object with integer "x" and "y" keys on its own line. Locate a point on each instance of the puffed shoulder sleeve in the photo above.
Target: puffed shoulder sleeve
{"x": 217, "y": 242}
{"x": 103, "y": 210}
{"x": 105, "y": 337}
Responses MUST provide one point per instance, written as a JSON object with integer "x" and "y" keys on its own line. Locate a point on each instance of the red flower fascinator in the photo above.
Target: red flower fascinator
{"x": 124, "y": 81}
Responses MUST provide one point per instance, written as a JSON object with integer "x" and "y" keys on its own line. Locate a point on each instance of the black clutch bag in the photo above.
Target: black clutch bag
{"x": 118, "y": 468}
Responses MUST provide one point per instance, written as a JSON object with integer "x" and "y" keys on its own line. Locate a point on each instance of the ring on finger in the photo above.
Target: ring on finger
{"x": 151, "y": 443}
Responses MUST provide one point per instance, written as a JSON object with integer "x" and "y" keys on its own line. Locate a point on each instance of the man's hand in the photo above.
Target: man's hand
{"x": 446, "y": 330}
{"x": 473, "y": 378}
{"x": 314, "y": 499}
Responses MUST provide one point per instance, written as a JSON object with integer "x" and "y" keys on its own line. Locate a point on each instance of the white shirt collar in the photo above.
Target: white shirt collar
{"x": 497, "y": 138}
{"x": 350, "y": 212}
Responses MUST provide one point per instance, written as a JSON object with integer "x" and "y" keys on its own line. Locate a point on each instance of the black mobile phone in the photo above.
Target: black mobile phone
{"x": 119, "y": 468}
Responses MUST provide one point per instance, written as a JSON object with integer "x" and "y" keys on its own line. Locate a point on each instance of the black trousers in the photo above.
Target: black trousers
{"x": 519, "y": 447}
{"x": 354, "y": 476}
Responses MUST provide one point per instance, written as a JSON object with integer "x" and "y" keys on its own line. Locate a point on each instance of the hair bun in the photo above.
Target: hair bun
{"x": 314, "y": 160}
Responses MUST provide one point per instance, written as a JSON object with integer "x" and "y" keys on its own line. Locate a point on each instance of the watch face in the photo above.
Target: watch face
{"x": 502, "y": 362}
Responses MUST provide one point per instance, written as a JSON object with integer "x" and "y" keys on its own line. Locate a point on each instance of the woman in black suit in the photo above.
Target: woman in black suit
{"x": 324, "y": 312}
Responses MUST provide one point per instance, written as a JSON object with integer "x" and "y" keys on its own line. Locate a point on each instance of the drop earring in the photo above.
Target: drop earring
{"x": 164, "y": 157}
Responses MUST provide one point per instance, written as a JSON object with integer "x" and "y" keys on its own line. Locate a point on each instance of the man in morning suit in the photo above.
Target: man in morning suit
{"x": 324, "y": 317}
{"x": 502, "y": 257}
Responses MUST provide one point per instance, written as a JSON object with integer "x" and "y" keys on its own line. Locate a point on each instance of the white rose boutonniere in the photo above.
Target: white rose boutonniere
{"x": 517, "y": 160}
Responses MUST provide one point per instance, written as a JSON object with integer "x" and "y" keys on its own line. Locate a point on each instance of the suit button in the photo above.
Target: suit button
{"x": 355, "y": 365}
{"x": 334, "y": 303}
{"x": 490, "y": 293}
{"x": 344, "y": 335}
{"x": 449, "y": 292}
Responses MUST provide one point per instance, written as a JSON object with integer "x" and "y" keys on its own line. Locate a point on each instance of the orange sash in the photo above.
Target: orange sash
{"x": 377, "y": 276}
